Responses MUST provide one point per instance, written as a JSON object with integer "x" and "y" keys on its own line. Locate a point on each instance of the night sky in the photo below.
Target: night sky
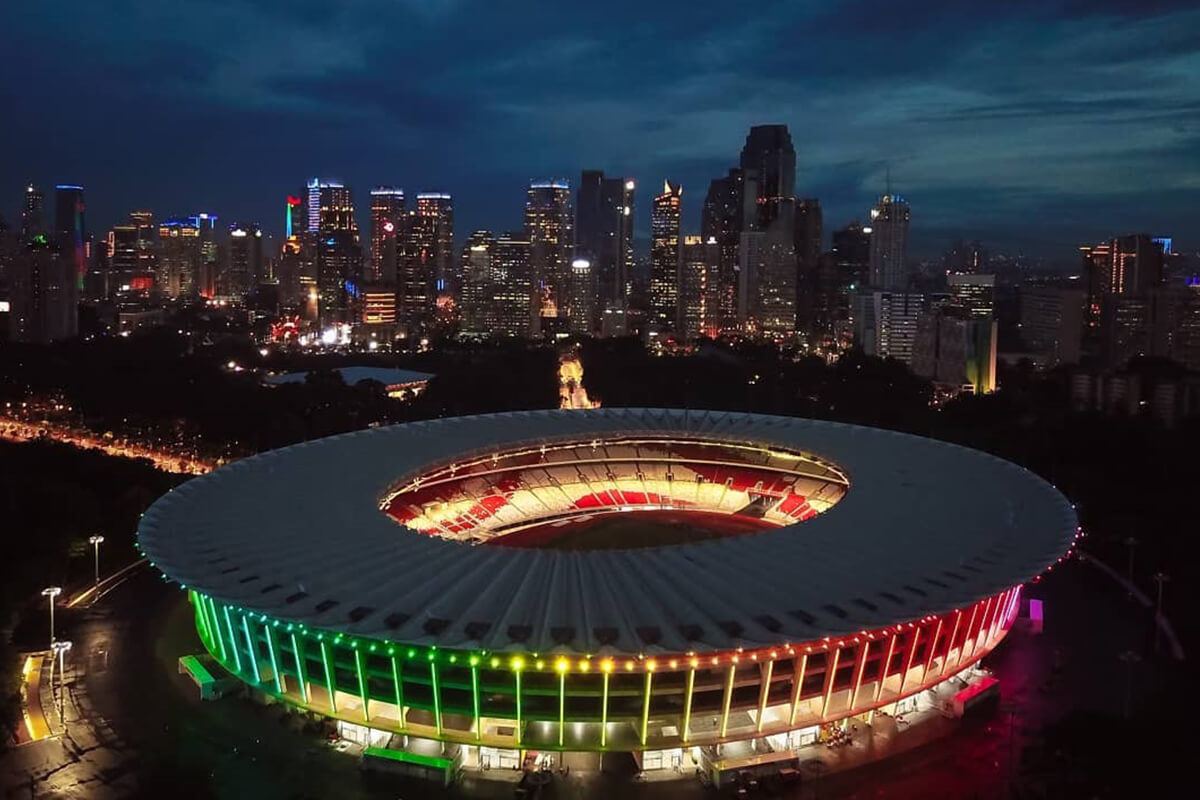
{"x": 1032, "y": 126}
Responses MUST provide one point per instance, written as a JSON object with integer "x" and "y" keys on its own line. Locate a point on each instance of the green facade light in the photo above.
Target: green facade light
{"x": 252, "y": 650}
{"x": 274, "y": 659}
{"x": 520, "y": 732}
{"x": 362, "y": 685}
{"x": 437, "y": 699}
{"x": 562, "y": 706}
{"x": 475, "y": 697}
{"x": 329, "y": 679}
{"x": 300, "y": 671}
{"x": 399, "y": 687}
{"x": 217, "y": 627}
{"x": 237, "y": 659}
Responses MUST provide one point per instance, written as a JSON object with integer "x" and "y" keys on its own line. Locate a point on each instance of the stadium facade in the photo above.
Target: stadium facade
{"x": 366, "y": 577}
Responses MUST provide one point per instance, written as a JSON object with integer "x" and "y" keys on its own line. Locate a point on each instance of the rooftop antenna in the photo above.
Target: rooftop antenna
{"x": 888, "y": 168}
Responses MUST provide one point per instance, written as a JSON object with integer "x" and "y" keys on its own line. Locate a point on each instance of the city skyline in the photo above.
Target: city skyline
{"x": 980, "y": 149}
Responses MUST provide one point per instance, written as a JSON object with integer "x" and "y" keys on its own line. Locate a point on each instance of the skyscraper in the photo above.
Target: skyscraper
{"x": 478, "y": 283}
{"x": 767, "y": 283}
{"x": 604, "y": 215}
{"x": 513, "y": 293}
{"x": 43, "y": 293}
{"x": 210, "y": 255}
{"x": 956, "y": 350}
{"x": 889, "y": 243}
{"x": 665, "y": 257}
{"x": 885, "y": 323}
{"x": 33, "y": 213}
{"x": 549, "y": 224}
{"x": 727, "y": 207}
{"x": 330, "y": 207}
{"x": 423, "y": 260}
{"x": 1121, "y": 273}
{"x": 132, "y": 257}
{"x": 436, "y": 210}
{"x": 701, "y": 262}
{"x": 768, "y": 154}
{"x": 179, "y": 257}
{"x": 244, "y": 269}
{"x": 811, "y": 301}
{"x": 581, "y": 296}
{"x": 70, "y": 228}
{"x": 295, "y": 217}
{"x": 147, "y": 250}
{"x": 387, "y": 215}
{"x": 332, "y": 221}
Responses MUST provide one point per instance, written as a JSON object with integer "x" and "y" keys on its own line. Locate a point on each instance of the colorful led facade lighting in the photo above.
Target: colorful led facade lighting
{"x": 485, "y": 645}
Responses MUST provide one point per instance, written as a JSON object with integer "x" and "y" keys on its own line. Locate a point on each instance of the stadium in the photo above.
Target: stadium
{"x": 646, "y": 581}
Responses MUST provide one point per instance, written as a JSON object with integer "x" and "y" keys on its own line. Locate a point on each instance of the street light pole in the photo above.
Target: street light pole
{"x": 60, "y": 649}
{"x": 52, "y": 592}
{"x": 95, "y": 541}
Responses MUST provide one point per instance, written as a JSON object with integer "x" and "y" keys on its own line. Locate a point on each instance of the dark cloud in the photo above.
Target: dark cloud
{"x": 1032, "y": 126}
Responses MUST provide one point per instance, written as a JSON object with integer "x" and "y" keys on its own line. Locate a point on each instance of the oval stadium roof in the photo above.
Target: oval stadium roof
{"x": 298, "y": 534}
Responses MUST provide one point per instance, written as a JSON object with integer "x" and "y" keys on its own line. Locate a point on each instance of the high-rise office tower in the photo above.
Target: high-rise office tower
{"x": 335, "y": 209}
{"x": 1052, "y": 321}
{"x": 415, "y": 269}
{"x": 330, "y": 207}
{"x": 337, "y": 248}
{"x": 295, "y": 217}
{"x": 1132, "y": 267}
{"x": 973, "y": 292}
{"x": 70, "y": 228}
{"x": 885, "y": 323}
{"x": 179, "y": 257}
{"x": 728, "y": 207}
{"x": 604, "y": 215}
{"x": 812, "y": 303}
{"x": 387, "y": 215}
{"x": 956, "y": 350}
{"x": 133, "y": 257}
{"x": 767, "y": 282}
{"x": 33, "y": 213}
{"x": 210, "y": 255}
{"x": 513, "y": 295}
{"x": 1123, "y": 265}
{"x": 244, "y": 269}
{"x": 665, "y": 255}
{"x": 147, "y": 250}
{"x": 852, "y": 249}
{"x": 436, "y": 211}
{"x": 889, "y": 243}
{"x": 581, "y": 296}
{"x": 550, "y": 224}
{"x": 851, "y": 255}
{"x": 43, "y": 293}
{"x": 770, "y": 156}
{"x": 423, "y": 261}
{"x": 700, "y": 264}
{"x": 478, "y": 283}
